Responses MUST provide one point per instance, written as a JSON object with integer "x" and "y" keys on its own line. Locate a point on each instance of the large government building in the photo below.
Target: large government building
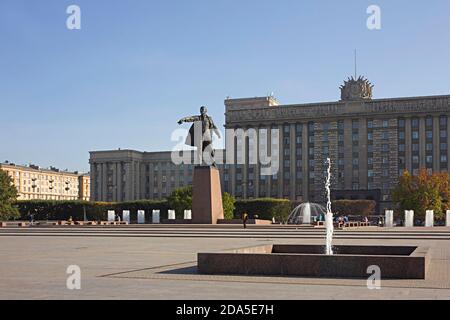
{"x": 370, "y": 143}
{"x": 33, "y": 182}
{"x": 126, "y": 175}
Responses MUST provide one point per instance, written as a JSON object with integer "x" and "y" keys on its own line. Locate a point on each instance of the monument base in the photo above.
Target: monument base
{"x": 206, "y": 196}
{"x": 257, "y": 222}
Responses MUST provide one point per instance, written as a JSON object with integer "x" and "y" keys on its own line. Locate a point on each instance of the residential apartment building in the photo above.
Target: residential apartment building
{"x": 33, "y": 182}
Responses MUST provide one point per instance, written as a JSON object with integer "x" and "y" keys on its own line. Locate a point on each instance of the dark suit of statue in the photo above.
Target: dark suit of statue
{"x": 205, "y": 126}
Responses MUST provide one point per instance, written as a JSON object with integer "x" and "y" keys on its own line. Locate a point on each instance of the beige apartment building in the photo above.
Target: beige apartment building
{"x": 370, "y": 143}
{"x": 33, "y": 182}
{"x": 84, "y": 187}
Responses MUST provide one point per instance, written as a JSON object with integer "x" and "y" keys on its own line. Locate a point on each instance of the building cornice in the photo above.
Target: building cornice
{"x": 314, "y": 111}
{"x": 40, "y": 170}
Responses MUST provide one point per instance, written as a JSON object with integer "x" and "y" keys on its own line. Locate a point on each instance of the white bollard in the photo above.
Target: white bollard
{"x": 172, "y": 215}
{"x": 187, "y": 214}
{"x": 126, "y": 216}
{"x": 141, "y": 217}
{"x": 448, "y": 218}
{"x": 409, "y": 218}
{"x": 389, "y": 219}
{"x": 429, "y": 219}
{"x": 156, "y": 217}
{"x": 111, "y": 216}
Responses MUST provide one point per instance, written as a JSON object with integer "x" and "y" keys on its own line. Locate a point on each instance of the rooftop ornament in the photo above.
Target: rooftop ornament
{"x": 356, "y": 89}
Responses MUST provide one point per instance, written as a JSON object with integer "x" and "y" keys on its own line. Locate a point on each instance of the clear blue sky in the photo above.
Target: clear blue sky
{"x": 139, "y": 65}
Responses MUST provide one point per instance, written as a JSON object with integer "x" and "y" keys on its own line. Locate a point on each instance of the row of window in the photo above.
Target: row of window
{"x": 370, "y": 125}
{"x": 44, "y": 197}
{"x": 385, "y": 135}
{"x": 428, "y": 147}
{"x": 415, "y": 122}
{"x": 415, "y": 135}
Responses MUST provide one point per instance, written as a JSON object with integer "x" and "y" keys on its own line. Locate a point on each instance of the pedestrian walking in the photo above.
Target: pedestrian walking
{"x": 245, "y": 219}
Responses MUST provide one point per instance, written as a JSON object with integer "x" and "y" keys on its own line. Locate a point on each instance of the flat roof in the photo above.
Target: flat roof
{"x": 310, "y": 104}
{"x": 46, "y": 170}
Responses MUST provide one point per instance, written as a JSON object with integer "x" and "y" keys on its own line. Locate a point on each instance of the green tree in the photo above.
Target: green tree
{"x": 228, "y": 202}
{"x": 404, "y": 194}
{"x": 442, "y": 181}
{"x": 180, "y": 200}
{"x": 8, "y": 195}
{"x": 422, "y": 192}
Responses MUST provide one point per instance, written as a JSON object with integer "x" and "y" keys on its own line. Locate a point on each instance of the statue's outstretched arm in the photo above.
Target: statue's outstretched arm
{"x": 215, "y": 129}
{"x": 189, "y": 119}
{"x": 218, "y": 133}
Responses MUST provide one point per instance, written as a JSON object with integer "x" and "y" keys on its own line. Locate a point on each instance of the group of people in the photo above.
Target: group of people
{"x": 342, "y": 220}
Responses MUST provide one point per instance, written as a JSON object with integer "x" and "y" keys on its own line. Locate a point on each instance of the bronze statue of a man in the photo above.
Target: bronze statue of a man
{"x": 201, "y": 132}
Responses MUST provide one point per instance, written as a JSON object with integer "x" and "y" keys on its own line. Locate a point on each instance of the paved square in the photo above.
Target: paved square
{"x": 159, "y": 262}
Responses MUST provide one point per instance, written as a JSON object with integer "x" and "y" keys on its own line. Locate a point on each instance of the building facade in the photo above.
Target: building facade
{"x": 84, "y": 187}
{"x": 370, "y": 142}
{"x": 33, "y": 182}
{"x": 127, "y": 175}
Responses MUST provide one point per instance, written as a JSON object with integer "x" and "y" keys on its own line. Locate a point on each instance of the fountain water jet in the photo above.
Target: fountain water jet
{"x": 329, "y": 216}
{"x": 304, "y": 213}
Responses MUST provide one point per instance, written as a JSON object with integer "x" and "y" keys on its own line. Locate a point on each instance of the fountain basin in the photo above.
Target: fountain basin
{"x": 395, "y": 262}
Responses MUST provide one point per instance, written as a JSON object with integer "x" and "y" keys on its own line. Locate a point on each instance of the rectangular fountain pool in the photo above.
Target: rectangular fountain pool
{"x": 395, "y": 262}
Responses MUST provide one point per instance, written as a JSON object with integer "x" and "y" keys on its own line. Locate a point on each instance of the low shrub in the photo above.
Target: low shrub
{"x": 354, "y": 207}
{"x": 264, "y": 208}
{"x": 94, "y": 211}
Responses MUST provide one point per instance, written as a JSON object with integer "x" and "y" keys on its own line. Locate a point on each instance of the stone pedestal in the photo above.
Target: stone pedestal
{"x": 448, "y": 219}
{"x": 429, "y": 219}
{"x": 111, "y": 216}
{"x": 141, "y": 217}
{"x": 126, "y": 216}
{"x": 156, "y": 216}
{"x": 171, "y": 215}
{"x": 389, "y": 219}
{"x": 187, "y": 214}
{"x": 207, "y": 196}
{"x": 409, "y": 218}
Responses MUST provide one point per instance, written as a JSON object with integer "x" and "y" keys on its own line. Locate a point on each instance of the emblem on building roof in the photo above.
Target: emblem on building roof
{"x": 356, "y": 89}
